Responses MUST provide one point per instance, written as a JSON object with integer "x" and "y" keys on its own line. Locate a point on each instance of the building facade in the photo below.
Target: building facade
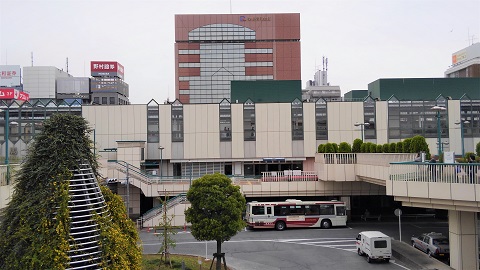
{"x": 211, "y": 50}
{"x": 465, "y": 63}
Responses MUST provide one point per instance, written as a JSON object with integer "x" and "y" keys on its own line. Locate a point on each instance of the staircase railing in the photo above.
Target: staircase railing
{"x": 159, "y": 208}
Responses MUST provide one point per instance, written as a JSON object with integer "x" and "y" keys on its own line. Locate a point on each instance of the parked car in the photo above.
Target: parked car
{"x": 434, "y": 244}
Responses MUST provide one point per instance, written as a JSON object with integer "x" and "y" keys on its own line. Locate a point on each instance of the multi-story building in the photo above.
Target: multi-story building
{"x": 465, "y": 63}
{"x": 41, "y": 81}
{"x": 212, "y": 50}
{"x": 107, "y": 85}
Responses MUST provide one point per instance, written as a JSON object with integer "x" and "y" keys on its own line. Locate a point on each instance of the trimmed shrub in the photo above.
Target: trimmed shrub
{"x": 328, "y": 148}
{"x": 372, "y": 148}
{"x": 335, "y": 147}
{"x": 379, "y": 148}
{"x": 406, "y": 145}
{"x": 363, "y": 146}
{"x": 321, "y": 148}
{"x": 418, "y": 144}
{"x": 400, "y": 147}
{"x": 392, "y": 147}
{"x": 386, "y": 148}
{"x": 357, "y": 143}
{"x": 344, "y": 147}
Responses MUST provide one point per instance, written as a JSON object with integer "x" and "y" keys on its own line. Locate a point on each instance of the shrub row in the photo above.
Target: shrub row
{"x": 409, "y": 145}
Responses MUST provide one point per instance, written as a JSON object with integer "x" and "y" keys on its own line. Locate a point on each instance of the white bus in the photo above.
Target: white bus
{"x": 295, "y": 214}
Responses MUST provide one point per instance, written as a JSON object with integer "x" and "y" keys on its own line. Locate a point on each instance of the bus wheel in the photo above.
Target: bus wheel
{"x": 280, "y": 226}
{"x": 326, "y": 224}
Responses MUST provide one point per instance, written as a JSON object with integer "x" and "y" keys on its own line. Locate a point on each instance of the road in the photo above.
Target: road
{"x": 301, "y": 249}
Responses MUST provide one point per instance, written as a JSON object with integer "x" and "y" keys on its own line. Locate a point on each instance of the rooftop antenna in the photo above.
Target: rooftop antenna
{"x": 67, "y": 64}
{"x": 31, "y": 56}
{"x": 326, "y": 64}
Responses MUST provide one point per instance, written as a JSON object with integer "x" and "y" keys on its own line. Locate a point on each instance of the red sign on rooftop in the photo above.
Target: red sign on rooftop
{"x": 106, "y": 69}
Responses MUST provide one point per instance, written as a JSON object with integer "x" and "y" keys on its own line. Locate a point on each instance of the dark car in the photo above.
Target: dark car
{"x": 434, "y": 244}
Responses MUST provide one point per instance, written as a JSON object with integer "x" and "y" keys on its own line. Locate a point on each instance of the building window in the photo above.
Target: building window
{"x": 96, "y": 100}
{"x": 177, "y": 121}
{"x": 153, "y": 129}
{"x": 104, "y": 100}
{"x": 249, "y": 120}
{"x": 369, "y": 117}
{"x": 112, "y": 100}
{"x": 407, "y": 119}
{"x": 470, "y": 116}
{"x": 225, "y": 121}
{"x": 321, "y": 121}
{"x": 297, "y": 119}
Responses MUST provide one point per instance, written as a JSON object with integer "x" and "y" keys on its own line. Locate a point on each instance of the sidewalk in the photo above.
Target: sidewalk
{"x": 414, "y": 258}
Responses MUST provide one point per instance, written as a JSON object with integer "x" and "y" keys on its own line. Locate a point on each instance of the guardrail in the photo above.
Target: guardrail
{"x": 460, "y": 173}
{"x": 289, "y": 176}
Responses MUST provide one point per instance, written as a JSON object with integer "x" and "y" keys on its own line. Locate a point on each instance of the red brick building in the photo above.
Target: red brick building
{"x": 211, "y": 50}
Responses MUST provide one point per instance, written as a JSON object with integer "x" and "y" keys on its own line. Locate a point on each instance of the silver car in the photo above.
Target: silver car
{"x": 434, "y": 244}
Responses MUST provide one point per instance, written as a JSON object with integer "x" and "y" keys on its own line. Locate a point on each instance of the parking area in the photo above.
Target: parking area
{"x": 308, "y": 248}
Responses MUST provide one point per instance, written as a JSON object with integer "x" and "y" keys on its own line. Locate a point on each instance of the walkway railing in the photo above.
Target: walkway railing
{"x": 460, "y": 173}
{"x": 159, "y": 208}
{"x": 141, "y": 175}
{"x": 289, "y": 175}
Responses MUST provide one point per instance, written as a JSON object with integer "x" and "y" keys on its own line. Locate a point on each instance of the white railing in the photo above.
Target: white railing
{"x": 377, "y": 159}
{"x": 460, "y": 173}
{"x": 289, "y": 175}
{"x": 158, "y": 210}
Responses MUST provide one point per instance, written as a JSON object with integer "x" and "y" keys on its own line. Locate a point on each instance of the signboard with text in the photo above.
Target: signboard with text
{"x": 106, "y": 69}
{"x": 10, "y": 75}
{"x": 11, "y": 93}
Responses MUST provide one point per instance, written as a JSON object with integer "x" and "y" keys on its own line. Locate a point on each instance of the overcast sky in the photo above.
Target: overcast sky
{"x": 363, "y": 40}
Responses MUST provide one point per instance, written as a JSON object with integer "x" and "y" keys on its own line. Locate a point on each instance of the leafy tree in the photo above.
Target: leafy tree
{"x": 216, "y": 210}
{"x": 357, "y": 143}
{"x": 344, "y": 147}
{"x": 35, "y": 233}
{"x": 166, "y": 233}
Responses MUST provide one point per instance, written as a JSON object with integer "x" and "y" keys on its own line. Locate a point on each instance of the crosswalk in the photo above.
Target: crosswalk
{"x": 346, "y": 244}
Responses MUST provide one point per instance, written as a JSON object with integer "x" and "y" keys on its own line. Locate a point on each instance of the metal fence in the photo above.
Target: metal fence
{"x": 460, "y": 173}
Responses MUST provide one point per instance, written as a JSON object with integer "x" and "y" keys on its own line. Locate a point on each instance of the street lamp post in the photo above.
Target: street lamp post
{"x": 161, "y": 160}
{"x": 438, "y": 109}
{"x": 362, "y": 128}
{"x": 461, "y": 123}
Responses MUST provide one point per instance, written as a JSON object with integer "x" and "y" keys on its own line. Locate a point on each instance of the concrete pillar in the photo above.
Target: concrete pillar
{"x": 463, "y": 236}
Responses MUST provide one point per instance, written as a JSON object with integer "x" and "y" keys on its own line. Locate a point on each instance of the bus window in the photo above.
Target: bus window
{"x": 341, "y": 211}
{"x": 327, "y": 209}
{"x": 297, "y": 210}
{"x": 312, "y": 210}
{"x": 280, "y": 210}
{"x": 258, "y": 210}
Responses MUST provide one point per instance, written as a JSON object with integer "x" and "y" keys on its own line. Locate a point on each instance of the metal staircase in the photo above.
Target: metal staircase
{"x": 158, "y": 210}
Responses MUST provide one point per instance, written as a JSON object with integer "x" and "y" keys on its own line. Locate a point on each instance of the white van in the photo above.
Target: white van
{"x": 375, "y": 245}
